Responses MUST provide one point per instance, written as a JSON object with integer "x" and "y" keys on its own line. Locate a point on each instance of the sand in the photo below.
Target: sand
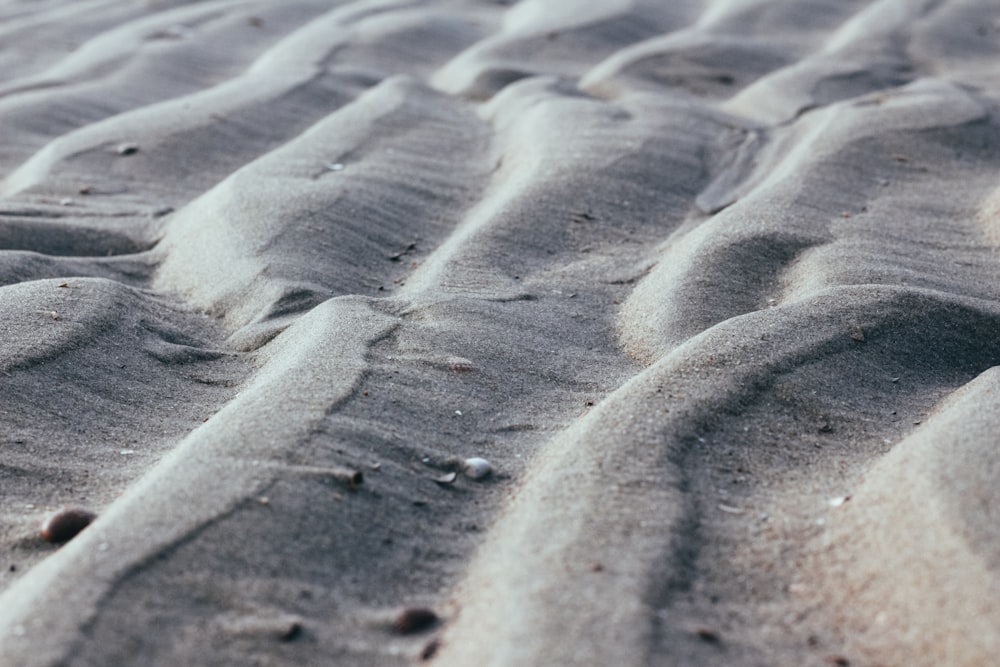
{"x": 713, "y": 285}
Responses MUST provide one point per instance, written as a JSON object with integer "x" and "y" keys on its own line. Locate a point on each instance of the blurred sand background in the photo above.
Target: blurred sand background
{"x": 714, "y": 285}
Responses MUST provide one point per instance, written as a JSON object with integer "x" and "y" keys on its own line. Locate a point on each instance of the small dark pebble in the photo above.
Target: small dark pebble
{"x": 706, "y": 634}
{"x": 13, "y": 568}
{"x": 838, "y": 660}
{"x": 65, "y": 524}
{"x": 430, "y": 649}
{"x": 127, "y": 149}
{"x": 414, "y": 619}
{"x": 353, "y": 478}
{"x": 292, "y": 632}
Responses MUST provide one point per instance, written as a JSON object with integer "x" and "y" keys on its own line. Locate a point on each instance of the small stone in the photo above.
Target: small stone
{"x": 127, "y": 148}
{"x": 477, "y": 468}
{"x": 706, "y": 634}
{"x": 65, "y": 524}
{"x": 414, "y": 619}
{"x": 290, "y": 632}
{"x": 279, "y": 626}
{"x": 430, "y": 649}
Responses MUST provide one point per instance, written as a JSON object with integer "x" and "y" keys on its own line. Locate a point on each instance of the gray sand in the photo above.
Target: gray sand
{"x": 714, "y": 286}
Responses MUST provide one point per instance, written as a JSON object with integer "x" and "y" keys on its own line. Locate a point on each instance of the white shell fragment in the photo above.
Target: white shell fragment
{"x": 476, "y": 468}
{"x": 447, "y": 478}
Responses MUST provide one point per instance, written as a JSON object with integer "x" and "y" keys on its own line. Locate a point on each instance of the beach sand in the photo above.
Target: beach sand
{"x": 714, "y": 286}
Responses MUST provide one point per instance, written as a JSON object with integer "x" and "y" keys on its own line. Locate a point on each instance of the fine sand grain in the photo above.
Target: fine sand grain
{"x": 714, "y": 286}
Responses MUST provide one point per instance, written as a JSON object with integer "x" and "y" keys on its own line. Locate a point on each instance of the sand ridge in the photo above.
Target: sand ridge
{"x": 715, "y": 287}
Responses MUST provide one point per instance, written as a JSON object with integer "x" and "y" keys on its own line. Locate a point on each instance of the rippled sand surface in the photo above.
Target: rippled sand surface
{"x": 714, "y": 287}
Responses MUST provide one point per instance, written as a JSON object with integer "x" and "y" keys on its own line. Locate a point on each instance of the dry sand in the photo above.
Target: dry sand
{"x": 714, "y": 286}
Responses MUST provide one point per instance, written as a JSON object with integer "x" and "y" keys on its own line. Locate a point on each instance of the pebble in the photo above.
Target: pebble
{"x": 414, "y": 619}
{"x": 290, "y": 632}
{"x": 430, "y": 649}
{"x": 65, "y": 524}
{"x": 476, "y": 468}
{"x": 706, "y": 634}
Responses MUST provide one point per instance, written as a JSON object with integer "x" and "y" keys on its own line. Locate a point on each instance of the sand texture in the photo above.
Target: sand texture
{"x": 714, "y": 285}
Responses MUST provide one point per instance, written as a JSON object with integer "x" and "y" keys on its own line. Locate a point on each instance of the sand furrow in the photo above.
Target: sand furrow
{"x": 143, "y": 62}
{"x": 568, "y": 37}
{"x": 770, "y": 246}
{"x": 590, "y": 544}
{"x": 943, "y": 474}
{"x": 69, "y": 334}
{"x": 263, "y": 215}
{"x": 30, "y": 37}
{"x": 238, "y": 445}
{"x": 291, "y": 85}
